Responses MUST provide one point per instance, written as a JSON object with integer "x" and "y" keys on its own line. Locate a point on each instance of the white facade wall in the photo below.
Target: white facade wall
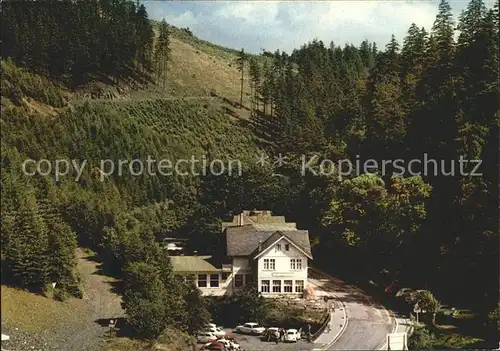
{"x": 283, "y": 270}
{"x": 242, "y": 273}
{"x": 209, "y": 289}
{"x": 235, "y": 280}
{"x": 243, "y": 270}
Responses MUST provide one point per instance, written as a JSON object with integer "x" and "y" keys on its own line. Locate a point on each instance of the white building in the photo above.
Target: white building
{"x": 260, "y": 248}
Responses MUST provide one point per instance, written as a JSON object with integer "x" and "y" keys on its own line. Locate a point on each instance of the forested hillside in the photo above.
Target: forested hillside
{"x": 430, "y": 93}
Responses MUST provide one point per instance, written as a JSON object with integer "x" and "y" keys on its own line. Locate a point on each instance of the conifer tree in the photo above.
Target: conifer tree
{"x": 162, "y": 52}
{"x": 255, "y": 76}
{"x": 267, "y": 87}
{"x": 27, "y": 249}
{"x": 241, "y": 59}
{"x": 145, "y": 37}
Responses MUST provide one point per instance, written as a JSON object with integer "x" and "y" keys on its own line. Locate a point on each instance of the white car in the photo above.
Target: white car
{"x": 209, "y": 325}
{"x": 205, "y": 337}
{"x": 250, "y": 328}
{"x": 215, "y": 330}
{"x": 292, "y": 335}
{"x": 228, "y": 343}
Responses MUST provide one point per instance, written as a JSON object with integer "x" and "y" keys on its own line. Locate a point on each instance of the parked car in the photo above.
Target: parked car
{"x": 215, "y": 330}
{"x": 250, "y": 328}
{"x": 205, "y": 336}
{"x": 214, "y": 346}
{"x": 269, "y": 334}
{"x": 292, "y": 335}
{"x": 230, "y": 345}
{"x": 208, "y": 325}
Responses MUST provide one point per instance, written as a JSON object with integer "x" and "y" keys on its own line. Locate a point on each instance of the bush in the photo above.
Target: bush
{"x": 247, "y": 305}
{"x": 60, "y": 295}
{"x": 421, "y": 338}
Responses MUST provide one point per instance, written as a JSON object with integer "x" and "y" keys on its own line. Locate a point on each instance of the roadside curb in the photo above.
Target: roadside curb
{"x": 396, "y": 324}
{"x": 346, "y": 319}
{"x": 341, "y": 331}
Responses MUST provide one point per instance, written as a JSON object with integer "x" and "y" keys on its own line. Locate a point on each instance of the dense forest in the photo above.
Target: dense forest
{"x": 433, "y": 93}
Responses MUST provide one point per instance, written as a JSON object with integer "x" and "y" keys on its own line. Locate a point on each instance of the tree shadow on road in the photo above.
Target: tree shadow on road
{"x": 107, "y": 270}
{"x": 122, "y": 329}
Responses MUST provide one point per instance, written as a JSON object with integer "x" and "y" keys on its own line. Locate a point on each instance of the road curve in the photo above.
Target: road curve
{"x": 368, "y": 321}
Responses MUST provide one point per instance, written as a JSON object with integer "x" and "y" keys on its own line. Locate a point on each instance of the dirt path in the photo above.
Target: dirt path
{"x": 129, "y": 100}
{"x": 101, "y": 303}
{"x": 35, "y": 322}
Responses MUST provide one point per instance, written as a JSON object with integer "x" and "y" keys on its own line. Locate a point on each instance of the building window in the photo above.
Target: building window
{"x": 287, "y": 247}
{"x": 248, "y": 278}
{"x": 214, "y": 280}
{"x": 269, "y": 264}
{"x": 264, "y": 286}
{"x": 225, "y": 276}
{"x": 299, "y": 286}
{"x": 278, "y": 247}
{"x": 202, "y": 280}
{"x": 276, "y": 286}
{"x": 238, "y": 280}
{"x": 287, "y": 286}
{"x": 295, "y": 264}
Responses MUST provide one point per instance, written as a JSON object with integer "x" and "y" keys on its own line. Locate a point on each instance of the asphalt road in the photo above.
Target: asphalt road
{"x": 368, "y": 322}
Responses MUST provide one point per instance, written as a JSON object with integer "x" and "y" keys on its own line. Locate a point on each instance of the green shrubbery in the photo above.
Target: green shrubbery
{"x": 17, "y": 83}
{"x": 421, "y": 338}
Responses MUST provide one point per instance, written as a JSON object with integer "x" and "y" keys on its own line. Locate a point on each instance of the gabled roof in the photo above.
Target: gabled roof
{"x": 244, "y": 240}
{"x": 262, "y": 220}
{"x": 274, "y": 239}
{"x": 194, "y": 264}
{"x": 267, "y": 243}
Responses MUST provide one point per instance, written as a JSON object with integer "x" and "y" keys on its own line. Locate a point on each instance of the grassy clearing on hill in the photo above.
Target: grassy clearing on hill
{"x": 35, "y": 313}
{"x": 196, "y": 68}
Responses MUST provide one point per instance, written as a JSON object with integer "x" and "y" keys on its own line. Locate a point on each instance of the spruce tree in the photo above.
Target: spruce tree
{"x": 162, "y": 52}
{"x": 240, "y": 60}
{"x": 255, "y": 76}
{"x": 27, "y": 250}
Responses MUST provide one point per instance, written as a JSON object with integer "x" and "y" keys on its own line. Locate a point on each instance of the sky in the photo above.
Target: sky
{"x": 270, "y": 25}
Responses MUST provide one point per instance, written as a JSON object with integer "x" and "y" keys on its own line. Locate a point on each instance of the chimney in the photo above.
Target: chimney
{"x": 195, "y": 253}
{"x": 260, "y": 245}
{"x": 240, "y": 219}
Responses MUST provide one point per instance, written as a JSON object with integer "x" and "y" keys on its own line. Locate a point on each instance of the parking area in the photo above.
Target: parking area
{"x": 253, "y": 343}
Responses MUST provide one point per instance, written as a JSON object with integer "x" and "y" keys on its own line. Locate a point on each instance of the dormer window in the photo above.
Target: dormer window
{"x": 278, "y": 247}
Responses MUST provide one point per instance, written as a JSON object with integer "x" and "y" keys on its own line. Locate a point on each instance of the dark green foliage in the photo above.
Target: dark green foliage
{"x": 433, "y": 95}
{"x": 240, "y": 61}
{"x": 162, "y": 52}
{"x": 146, "y": 301}
{"x": 420, "y": 339}
{"x": 76, "y": 39}
{"x": 154, "y": 299}
{"x": 18, "y": 84}
{"x": 244, "y": 306}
